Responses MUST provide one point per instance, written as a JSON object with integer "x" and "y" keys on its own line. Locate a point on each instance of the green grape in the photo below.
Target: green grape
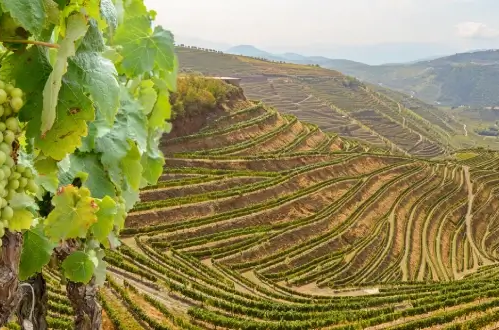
{"x": 20, "y": 168}
{"x": 3, "y": 96}
{"x": 3, "y": 157}
{"x": 5, "y": 192}
{"x": 5, "y": 223}
{"x": 28, "y": 173}
{"x": 7, "y": 213}
{"x": 32, "y": 186}
{"x": 5, "y": 147}
{"x": 2, "y": 85}
{"x": 2, "y": 110}
{"x": 12, "y": 124}
{"x": 9, "y": 137}
{"x": 6, "y": 170}
{"x": 7, "y": 112}
{"x": 3, "y": 127}
{"x": 2, "y": 190}
{"x": 10, "y": 162}
{"x": 16, "y": 103}
{"x": 2, "y": 176}
{"x": 23, "y": 182}
{"x": 14, "y": 184}
{"x": 9, "y": 196}
{"x": 2, "y": 233}
{"x": 16, "y": 92}
{"x": 15, "y": 176}
{"x": 9, "y": 88}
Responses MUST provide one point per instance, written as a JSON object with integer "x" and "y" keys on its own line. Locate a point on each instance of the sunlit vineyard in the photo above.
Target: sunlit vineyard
{"x": 261, "y": 221}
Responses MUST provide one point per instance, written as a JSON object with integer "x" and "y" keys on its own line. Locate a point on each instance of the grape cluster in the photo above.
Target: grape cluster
{"x": 14, "y": 178}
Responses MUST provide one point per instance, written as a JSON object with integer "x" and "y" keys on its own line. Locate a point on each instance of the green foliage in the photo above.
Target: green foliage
{"x": 96, "y": 78}
{"x": 196, "y": 94}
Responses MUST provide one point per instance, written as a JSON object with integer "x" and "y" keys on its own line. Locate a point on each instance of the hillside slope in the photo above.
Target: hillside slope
{"x": 332, "y": 101}
{"x": 462, "y": 79}
{"x": 263, "y": 222}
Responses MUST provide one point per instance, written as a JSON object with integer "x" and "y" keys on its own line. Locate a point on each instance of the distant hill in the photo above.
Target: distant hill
{"x": 252, "y": 51}
{"x": 461, "y": 79}
{"x": 336, "y": 103}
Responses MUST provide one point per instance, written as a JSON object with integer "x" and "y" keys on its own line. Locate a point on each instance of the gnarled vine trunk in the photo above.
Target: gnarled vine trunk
{"x": 39, "y": 317}
{"x": 10, "y": 256}
{"x": 88, "y": 312}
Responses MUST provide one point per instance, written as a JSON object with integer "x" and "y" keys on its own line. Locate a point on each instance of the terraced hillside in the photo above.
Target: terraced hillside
{"x": 334, "y": 102}
{"x": 261, "y": 221}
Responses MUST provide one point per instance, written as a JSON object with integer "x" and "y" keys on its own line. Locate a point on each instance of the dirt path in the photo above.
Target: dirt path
{"x": 313, "y": 289}
{"x": 305, "y": 99}
{"x": 465, "y": 130}
{"x": 165, "y": 298}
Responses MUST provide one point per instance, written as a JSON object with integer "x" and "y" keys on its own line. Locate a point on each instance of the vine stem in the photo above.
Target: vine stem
{"x": 31, "y": 42}
{"x": 32, "y": 298}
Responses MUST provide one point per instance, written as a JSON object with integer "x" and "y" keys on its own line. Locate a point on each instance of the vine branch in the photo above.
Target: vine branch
{"x": 31, "y": 42}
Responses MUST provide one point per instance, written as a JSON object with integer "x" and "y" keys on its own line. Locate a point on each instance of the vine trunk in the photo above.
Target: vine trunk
{"x": 83, "y": 297}
{"x": 39, "y": 317}
{"x": 10, "y": 256}
{"x": 88, "y": 312}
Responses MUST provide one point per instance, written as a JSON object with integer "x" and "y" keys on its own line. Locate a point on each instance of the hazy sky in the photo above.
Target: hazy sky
{"x": 284, "y": 23}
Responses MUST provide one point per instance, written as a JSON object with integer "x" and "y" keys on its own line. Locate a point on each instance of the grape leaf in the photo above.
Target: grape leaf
{"x": 105, "y": 220}
{"x": 73, "y": 111}
{"x": 23, "y": 218}
{"x": 98, "y": 181}
{"x": 153, "y": 160}
{"x": 131, "y": 166}
{"x": 49, "y": 182}
{"x": 130, "y": 124}
{"x": 76, "y": 29}
{"x": 100, "y": 269}
{"x": 132, "y": 7}
{"x": 109, "y": 13}
{"x": 29, "y": 13}
{"x": 73, "y": 214}
{"x": 78, "y": 267}
{"x": 148, "y": 97}
{"x": 119, "y": 219}
{"x": 143, "y": 49}
{"x": 35, "y": 254}
{"x": 93, "y": 41}
{"x": 96, "y": 74}
{"x": 161, "y": 112}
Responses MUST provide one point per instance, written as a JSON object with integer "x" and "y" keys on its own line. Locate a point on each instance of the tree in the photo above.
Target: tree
{"x": 84, "y": 100}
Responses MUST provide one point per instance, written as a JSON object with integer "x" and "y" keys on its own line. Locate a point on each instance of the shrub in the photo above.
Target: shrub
{"x": 196, "y": 94}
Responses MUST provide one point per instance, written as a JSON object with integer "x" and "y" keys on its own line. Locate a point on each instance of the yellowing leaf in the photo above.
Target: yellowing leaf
{"x": 105, "y": 220}
{"x": 22, "y": 220}
{"x": 73, "y": 214}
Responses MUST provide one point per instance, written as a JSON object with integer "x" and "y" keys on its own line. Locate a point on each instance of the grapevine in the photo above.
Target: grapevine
{"x": 17, "y": 185}
{"x": 84, "y": 101}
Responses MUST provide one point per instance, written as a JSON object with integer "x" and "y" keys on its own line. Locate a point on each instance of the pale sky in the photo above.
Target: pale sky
{"x": 301, "y": 23}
